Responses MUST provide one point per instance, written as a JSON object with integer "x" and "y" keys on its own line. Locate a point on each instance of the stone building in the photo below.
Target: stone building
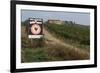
{"x": 55, "y": 22}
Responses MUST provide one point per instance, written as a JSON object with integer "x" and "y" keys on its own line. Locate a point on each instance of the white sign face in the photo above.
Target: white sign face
{"x": 35, "y": 28}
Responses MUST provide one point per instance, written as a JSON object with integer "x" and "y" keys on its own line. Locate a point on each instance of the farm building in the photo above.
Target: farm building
{"x": 55, "y": 21}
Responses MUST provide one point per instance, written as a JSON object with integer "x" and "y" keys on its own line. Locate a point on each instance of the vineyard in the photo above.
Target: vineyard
{"x": 78, "y": 35}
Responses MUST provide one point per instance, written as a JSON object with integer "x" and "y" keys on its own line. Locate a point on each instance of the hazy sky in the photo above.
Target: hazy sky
{"x": 79, "y": 18}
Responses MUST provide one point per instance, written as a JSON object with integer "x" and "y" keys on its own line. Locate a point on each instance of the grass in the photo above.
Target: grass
{"x": 33, "y": 55}
{"x": 51, "y": 53}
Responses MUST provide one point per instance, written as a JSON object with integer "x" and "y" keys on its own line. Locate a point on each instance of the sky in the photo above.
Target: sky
{"x": 77, "y": 17}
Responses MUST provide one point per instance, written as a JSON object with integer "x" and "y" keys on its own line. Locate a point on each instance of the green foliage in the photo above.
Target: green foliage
{"x": 33, "y": 54}
{"x": 24, "y": 23}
